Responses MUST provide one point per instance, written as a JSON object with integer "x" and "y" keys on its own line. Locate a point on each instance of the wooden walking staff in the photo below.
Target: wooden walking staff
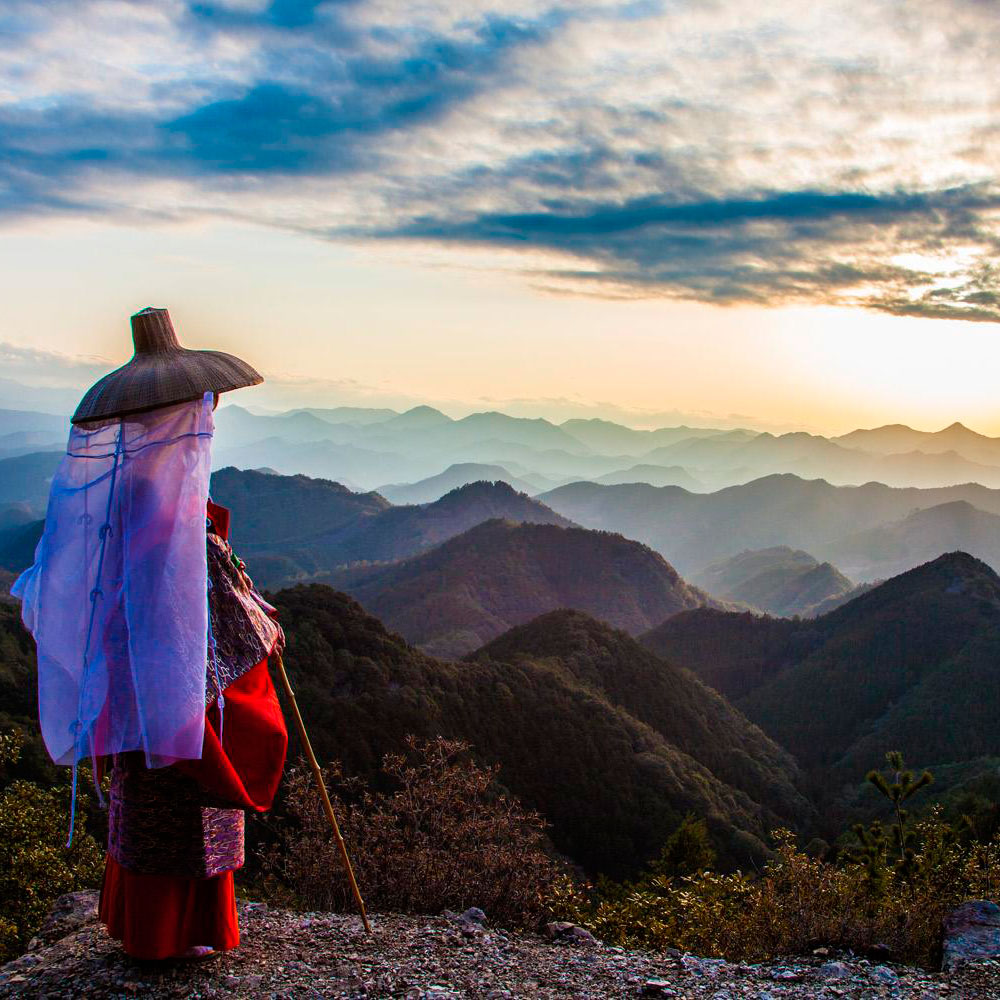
{"x": 321, "y": 785}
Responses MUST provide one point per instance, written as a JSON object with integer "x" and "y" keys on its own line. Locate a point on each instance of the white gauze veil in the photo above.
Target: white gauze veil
{"x": 117, "y": 596}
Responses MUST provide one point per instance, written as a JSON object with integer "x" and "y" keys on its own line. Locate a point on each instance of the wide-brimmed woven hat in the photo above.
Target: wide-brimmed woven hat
{"x": 161, "y": 373}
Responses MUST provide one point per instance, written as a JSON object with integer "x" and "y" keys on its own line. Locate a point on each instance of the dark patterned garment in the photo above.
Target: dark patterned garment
{"x": 243, "y": 631}
{"x": 159, "y": 824}
{"x": 160, "y": 821}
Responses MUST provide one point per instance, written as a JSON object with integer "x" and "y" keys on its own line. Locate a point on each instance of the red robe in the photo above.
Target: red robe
{"x": 160, "y": 916}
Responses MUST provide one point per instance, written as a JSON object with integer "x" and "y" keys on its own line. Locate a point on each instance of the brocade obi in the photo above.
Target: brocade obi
{"x": 159, "y": 824}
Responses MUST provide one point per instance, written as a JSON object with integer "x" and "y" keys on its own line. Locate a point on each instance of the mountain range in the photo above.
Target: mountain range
{"x": 501, "y": 573}
{"x": 557, "y": 721}
{"x": 693, "y": 530}
{"x": 896, "y": 546}
{"x": 369, "y": 448}
{"x": 540, "y": 552}
{"x": 895, "y": 439}
{"x": 779, "y": 580}
{"x": 294, "y": 527}
{"x": 747, "y": 721}
{"x": 421, "y": 443}
{"x": 658, "y": 487}
{"x": 909, "y": 665}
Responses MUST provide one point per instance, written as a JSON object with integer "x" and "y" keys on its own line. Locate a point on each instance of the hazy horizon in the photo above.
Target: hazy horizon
{"x": 56, "y": 391}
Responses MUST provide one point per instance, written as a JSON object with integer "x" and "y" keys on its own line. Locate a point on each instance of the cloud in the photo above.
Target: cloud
{"x": 776, "y": 247}
{"x": 626, "y": 149}
{"x": 51, "y": 367}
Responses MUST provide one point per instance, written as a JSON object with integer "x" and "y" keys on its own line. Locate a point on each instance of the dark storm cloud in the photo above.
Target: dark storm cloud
{"x": 773, "y": 248}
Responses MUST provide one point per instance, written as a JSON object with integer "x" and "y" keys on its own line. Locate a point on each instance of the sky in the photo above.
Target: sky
{"x": 780, "y": 215}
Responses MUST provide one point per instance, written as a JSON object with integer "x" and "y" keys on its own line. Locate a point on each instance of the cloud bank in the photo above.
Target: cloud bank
{"x": 840, "y": 154}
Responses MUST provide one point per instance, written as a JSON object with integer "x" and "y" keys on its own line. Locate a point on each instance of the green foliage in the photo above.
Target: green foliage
{"x": 898, "y": 787}
{"x": 688, "y": 850}
{"x": 444, "y": 837}
{"x": 877, "y": 851}
{"x": 35, "y": 865}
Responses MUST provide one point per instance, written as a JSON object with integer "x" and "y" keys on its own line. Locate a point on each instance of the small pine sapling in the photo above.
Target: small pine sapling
{"x": 898, "y": 786}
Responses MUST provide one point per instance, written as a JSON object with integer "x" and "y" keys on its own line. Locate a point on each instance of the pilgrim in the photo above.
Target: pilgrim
{"x": 153, "y": 646}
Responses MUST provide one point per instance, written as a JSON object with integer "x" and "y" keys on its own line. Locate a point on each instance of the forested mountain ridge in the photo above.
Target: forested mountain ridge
{"x": 269, "y": 508}
{"x": 612, "y": 786}
{"x": 468, "y": 590}
{"x": 669, "y": 699}
{"x": 911, "y": 664}
{"x": 868, "y": 532}
{"x": 307, "y": 526}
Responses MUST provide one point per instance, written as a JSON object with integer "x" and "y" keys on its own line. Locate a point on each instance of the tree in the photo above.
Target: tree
{"x": 898, "y": 786}
{"x": 688, "y": 850}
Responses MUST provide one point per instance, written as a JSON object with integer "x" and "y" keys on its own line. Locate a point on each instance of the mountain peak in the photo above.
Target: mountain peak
{"x": 556, "y": 633}
{"x": 481, "y": 489}
{"x": 510, "y": 568}
{"x": 955, "y": 574}
{"x": 415, "y": 418}
{"x": 959, "y": 430}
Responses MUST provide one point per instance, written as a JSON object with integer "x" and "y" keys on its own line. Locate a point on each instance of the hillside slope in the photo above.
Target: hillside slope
{"x": 475, "y": 586}
{"x": 669, "y": 699}
{"x": 911, "y": 664}
{"x": 612, "y": 786}
{"x": 780, "y": 580}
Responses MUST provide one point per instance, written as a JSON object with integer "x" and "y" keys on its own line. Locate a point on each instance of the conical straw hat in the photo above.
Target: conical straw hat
{"x": 161, "y": 373}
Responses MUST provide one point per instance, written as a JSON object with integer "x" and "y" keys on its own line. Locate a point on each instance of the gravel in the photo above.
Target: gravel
{"x": 285, "y": 954}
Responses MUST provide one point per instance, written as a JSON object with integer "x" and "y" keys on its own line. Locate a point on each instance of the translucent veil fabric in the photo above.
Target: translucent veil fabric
{"x": 116, "y": 598}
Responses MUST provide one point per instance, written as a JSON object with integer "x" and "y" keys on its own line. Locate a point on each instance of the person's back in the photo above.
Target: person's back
{"x": 153, "y": 659}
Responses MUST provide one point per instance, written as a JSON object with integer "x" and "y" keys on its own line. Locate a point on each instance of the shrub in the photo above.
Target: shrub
{"x": 891, "y": 890}
{"x": 687, "y": 851}
{"x": 35, "y": 865}
{"x": 443, "y": 837}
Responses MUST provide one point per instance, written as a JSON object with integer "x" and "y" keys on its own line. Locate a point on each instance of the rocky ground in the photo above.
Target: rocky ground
{"x": 308, "y": 955}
